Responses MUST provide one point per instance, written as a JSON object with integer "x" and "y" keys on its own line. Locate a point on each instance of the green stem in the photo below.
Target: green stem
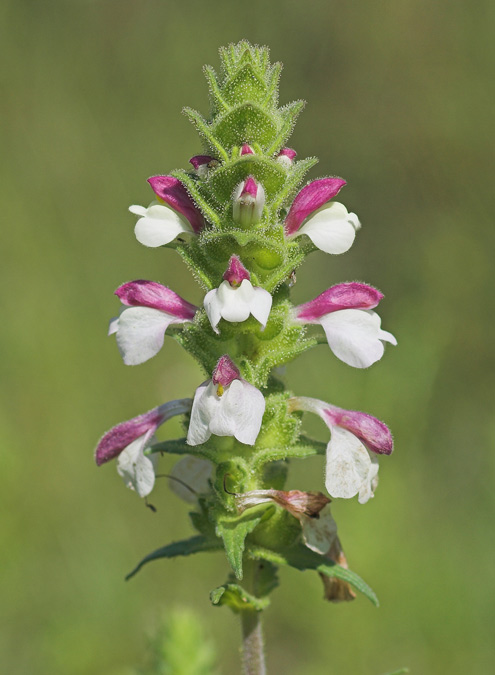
{"x": 253, "y": 653}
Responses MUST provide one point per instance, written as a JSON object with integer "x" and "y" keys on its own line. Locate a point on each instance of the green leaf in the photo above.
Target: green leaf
{"x": 239, "y": 600}
{"x": 302, "y": 558}
{"x": 185, "y": 547}
{"x": 234, "y": 530}
{"x": 246, "y": 123}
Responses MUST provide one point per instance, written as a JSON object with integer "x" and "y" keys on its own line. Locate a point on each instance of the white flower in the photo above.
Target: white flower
{"x": 352, "y": 329}
{"x": 236, "y": 298}
{"x": 356, "y": 439}
{"x": 226, "y": 405}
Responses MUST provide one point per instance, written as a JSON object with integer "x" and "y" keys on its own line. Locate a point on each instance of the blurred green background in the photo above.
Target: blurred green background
{"x": 400, "y": 103}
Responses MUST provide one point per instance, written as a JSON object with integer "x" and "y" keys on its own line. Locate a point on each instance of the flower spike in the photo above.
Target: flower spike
{"x": 353, "y": 331}
{"x": 152, "y": 308}
{"x": 236, "y": 298}
{"x": 226, "y": 405}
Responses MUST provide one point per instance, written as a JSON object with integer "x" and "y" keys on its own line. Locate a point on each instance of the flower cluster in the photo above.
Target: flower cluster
{"x": 235, "y": 221}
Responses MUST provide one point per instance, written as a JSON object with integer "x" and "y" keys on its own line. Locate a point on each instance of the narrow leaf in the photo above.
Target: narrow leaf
{"x": 234, "y": 531}
{"x": 204, "y": 129}
{"x": 185, "y": 547}
{"x": 302, "y": 558}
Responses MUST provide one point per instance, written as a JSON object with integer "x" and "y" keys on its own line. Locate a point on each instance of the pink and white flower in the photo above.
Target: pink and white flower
{"x": 226, "y": 405}
{"x": 236, "y": 298}
{"x": 328, "y": 224}
{"x": 356, "y": 440}
{"x": 140, "y": 329}
{"x": 249, "y": 201}
{"x": 128, "y": 441}
{"x": 202, "y": 164}
{"x": 174, "y": 213}
{"x": 286, "y": 157}
{"x": 353, "y": 331}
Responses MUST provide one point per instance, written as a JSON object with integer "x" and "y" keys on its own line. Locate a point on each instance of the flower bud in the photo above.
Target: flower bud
{"x": 247, "y": 150}
{"x": 249, "y": 200}
{"x": 201, "y": 164}
{"x": 286, "y": 157}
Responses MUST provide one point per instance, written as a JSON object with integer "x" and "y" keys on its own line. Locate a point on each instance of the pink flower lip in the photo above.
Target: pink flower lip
{"x": 173, "y": 193}
{"x": 247, "y": 150}
{"x": 351, "y": 295}
{"x": 309, "y": 199}
{"x": 225, "y": 372}
{"x": 250, "y": 187}
{"x": 236, "y": 272}
{"x": 199, "y": 160}
{"x": 288, "y": 152}
{"x": 375, "y": 435}
{"x": 143, "y": 293}
{"x": 120, "y": 436}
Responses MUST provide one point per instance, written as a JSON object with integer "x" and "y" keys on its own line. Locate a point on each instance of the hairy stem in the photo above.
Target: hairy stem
{"x": 253, "y": 653}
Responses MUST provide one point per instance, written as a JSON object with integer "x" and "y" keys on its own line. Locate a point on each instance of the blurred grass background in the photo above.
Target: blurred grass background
{"x": 400, "y": 103}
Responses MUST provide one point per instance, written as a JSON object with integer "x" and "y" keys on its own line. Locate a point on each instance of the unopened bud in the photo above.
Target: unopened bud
{"x": 247, "y": 150}
{"x": 249, "y": 200}
{"x": 286, "y": 157}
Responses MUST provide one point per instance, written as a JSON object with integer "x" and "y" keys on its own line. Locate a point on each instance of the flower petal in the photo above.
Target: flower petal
{"x": 309, "y": 199}
{"x": 213, "y": 308}
{"x": 120, "y": 436}
{"x": 375, "y": 435}
{"x": 330, "y": 229}
{"x": 160, "y": 226}
{"x": 234, "y": 306}
{"x": 205, "y": 406}
{"x": 354, "y": 336}
{"x": 244, "y": 405}
{"x": 193, "y": 472}
{"x": 143, "y": 293}
{"x": 173, "y": 193}
{"x": 351, "y": 295}
{"x": 319, "y": 533}
{"x": 141, "y": 333}
{"x": 349, "y": 469}
{"x": 261, "y": 305}
{"x": 138, "y": 470}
